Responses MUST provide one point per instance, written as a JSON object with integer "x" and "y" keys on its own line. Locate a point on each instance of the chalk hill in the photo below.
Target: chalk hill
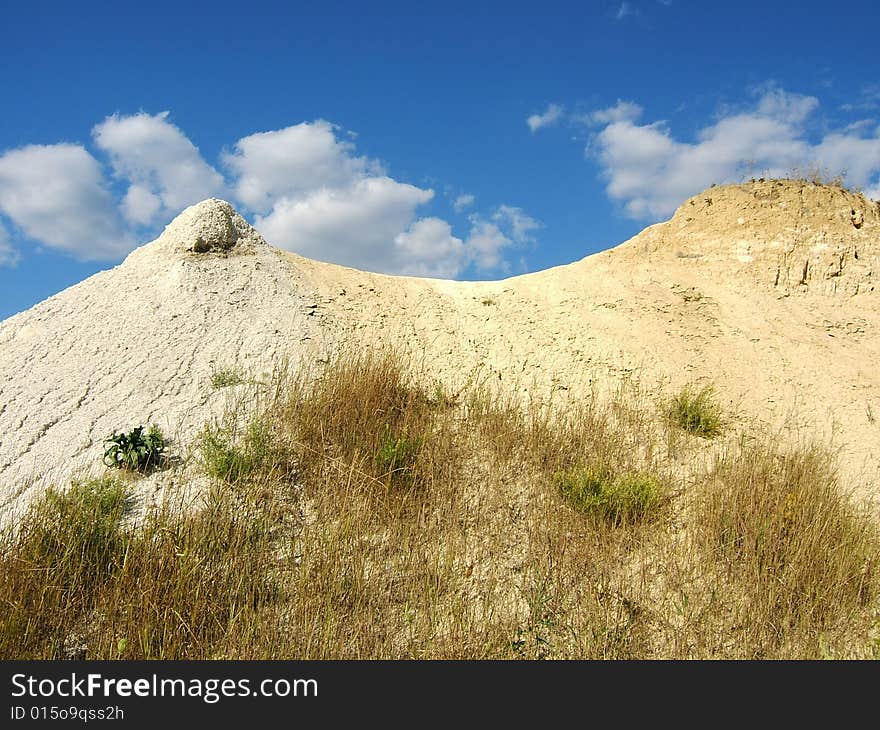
{"x": 770, "y": 290}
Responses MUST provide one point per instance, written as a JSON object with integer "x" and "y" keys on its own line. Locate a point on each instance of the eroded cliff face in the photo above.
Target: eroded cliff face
{"x": 795, "y": 236}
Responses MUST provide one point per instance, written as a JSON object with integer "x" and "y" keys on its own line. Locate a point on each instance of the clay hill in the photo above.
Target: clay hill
{"x": 769, "y": 290}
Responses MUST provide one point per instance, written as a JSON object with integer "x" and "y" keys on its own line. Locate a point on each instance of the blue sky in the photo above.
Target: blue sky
{"x": 462, "y": 140}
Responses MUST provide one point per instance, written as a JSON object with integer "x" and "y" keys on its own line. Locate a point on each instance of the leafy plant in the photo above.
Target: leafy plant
{"x": 135, "y": 450}
{"x": 696, "y": 411}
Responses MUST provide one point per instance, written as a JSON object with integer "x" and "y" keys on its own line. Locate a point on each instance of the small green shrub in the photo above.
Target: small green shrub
{"x": 598, "y": 490}
{"x": 135, "y": 450}
{"x": 696, "y": 411}
{"x": 226, "y": 378}
{"x": 397, "y": 456}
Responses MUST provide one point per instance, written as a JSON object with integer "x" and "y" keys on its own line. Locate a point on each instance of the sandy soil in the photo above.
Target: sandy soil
{"x": 770, "y": 290}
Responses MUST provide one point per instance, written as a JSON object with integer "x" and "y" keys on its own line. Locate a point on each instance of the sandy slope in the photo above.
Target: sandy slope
{"x": 769, "y": 290}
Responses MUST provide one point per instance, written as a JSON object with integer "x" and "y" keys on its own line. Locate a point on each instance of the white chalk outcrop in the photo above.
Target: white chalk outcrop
{"x": 138, "y": 344}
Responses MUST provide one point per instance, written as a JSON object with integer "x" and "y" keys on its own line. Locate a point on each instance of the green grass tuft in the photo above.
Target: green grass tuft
{"x": 696, "y": 411}
{"x": 598, "y": 490}
{"x": 235, "y": 458}
{"x": 397, "y": 456}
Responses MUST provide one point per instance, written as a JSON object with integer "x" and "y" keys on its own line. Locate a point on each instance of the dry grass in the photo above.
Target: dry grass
{"x": 803, "y": 561}
{"x": 356, "y": 513}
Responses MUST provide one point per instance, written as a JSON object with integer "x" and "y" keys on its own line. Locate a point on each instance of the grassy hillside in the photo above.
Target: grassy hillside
{"x": 370, "y": 513}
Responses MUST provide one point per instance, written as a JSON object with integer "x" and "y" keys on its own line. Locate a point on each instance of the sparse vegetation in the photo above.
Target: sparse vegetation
{"x": 803, "y": 558}
{"x": 352, "y": 515}
{"x": 696, "y": 411}
{"x": 135, "y": 450}
{"x": 597, "y": 490}
{"x": 226, "y": 377}
{"x": 815, "y": 174}
{"x": 82, "y": 584}
{"x": 233, "y": 457}
{"x": 397, "y": 456}
{"x": 68, "y": 545}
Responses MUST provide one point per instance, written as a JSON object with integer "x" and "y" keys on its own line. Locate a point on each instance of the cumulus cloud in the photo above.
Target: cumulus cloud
{"x": 314, "y": 195}
{"x": 620, "y": 112}
{"x": 463, "y": 202}
{"x": 165, "y": 169}
{"x": 354, "y": 225}
{"x": 306, "y": 186}
{"x": 140, "y": 206}
{"x": 56, "y": 195}
{"x": 651, "y": 172}
{"x": 488, "y": 240}
{"x": 858, "y": 155}
{"x": 428, "y": 248}
{"x": 548, "y": 118}
{"x": 785, "y": 107}
{"x": 292, "y": 162}
{"x": 485, "y": 243}
{"x": 8, "y": 255}
{"x": 520, "y": 224}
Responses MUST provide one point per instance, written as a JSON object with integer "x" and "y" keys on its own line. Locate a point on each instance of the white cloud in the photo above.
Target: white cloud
{"x": 621, "y": 111}
{"x": 463, "y": 202}
{"x": 485, "y": 243}
{"x": 428, "y": 248}
{"x": 868, "y": 100}
{"x": 158, "y": 159}
{"x": 292, "y": 162}
{"x": 785, "y": 107}
{"x": 354, "y": 225}
{"x": 548, "y": 118}
{"x": 487, "y": 240}
{"x": 308, "y": 189}
{"x": 8, "y": 255}
{"x": 859, "y": 156}
{"x": 56, "y": 195}
{"x": 140, "y": 206}
{"x": 651, "y": 172}
{"x": 520, "y": 225}
{"x": 315, "y": 196}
